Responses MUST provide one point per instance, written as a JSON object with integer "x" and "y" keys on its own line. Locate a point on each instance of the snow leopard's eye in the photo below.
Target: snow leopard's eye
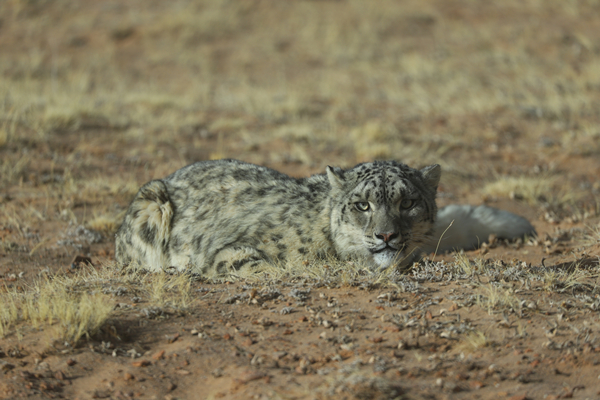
{"x": 362, "y": 206}
{"x": 406, "y": 204}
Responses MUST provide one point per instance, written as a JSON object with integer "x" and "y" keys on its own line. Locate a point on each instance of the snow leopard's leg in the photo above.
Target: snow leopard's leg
{"x": 233, "y": 260}
{"x": 143, "y": 237}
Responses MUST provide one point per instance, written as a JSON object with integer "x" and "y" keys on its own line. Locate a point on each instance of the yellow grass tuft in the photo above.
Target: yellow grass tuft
{"x": 107, "y": 224}
{"x": 94, "y": 190}
{"x": 53, "y": 305}
{"x": 470, "y": 267}
{"x": 474, "y": 340}
{"x": 530, "y": 189}
{"x": 168, "y": 290}
{"x": 495, "y": 299}
{"x": 561, "y": 280}
{"x": 373, "y": 140}
{"x": 11, "y": 170}
{"x": 77, "y": 305}
{"x": 591, "y": 235}
{"x": 331, "y": 270}
{"x": 3, "y": 137}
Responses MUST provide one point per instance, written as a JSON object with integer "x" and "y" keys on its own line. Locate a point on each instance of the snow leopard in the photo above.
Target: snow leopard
{"x": 216, "y": 217}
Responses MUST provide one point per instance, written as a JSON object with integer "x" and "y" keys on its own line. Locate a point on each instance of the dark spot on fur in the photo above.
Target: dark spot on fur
{"x": 313, "y": 187}
{"x": 239, "y": 174}
{"x": 197, "y": 241}
{"x": 245, "y": 192}
{"x": 200, "y": 216}
{"x": 302, "y": 250}
{"x": 154, "y": 191}
{"x": 204, "y": 270}
{"x": 240, "y": 263}
{"x": 221, "y": 266}
{"x": 281, "y": 246}
{"x": 148, "y": 233}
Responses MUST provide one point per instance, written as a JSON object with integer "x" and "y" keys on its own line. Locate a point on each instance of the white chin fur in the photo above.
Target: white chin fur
{"x": 384, "y": 259}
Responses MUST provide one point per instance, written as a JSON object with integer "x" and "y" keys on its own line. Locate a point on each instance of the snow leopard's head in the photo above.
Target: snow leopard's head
{"x": 383, "y": 211}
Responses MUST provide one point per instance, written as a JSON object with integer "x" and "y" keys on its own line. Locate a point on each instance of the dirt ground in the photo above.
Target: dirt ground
{"x": 98, "y": 97}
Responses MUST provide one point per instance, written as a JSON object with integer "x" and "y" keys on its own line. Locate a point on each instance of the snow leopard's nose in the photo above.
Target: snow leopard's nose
{"x": 386, "y": 237}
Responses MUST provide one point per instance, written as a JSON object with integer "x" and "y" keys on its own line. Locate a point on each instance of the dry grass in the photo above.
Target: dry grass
{"x": 474, "y": 341}
{"x": 54, "y": 306}
{"x": 11, "y": 170}
{"x": 332, "y": 272}
{"x": 496, "y": 299}
{"x": 403, "y": 58}
{"x": 570, "y": 279}
{"x": 470, "y": 267}
{"x": 88, "y": 115}
{"x": 530, "y": 189}
{"x": 69, "y": 307}
{"x": 591, "y": 235}
{"x": 166, "y": 290}
{"x": 107, "y": 224}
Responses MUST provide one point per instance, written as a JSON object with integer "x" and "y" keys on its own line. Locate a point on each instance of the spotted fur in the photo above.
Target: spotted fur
{"x": 220, "y": 216}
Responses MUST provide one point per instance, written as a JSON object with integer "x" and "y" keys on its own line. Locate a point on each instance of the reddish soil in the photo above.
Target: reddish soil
{"x": 429, "y": 335}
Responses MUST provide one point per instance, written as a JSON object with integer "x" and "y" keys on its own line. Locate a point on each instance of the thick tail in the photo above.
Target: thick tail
{"x": 467, "y": 227}
{"x": 144, "y": 235}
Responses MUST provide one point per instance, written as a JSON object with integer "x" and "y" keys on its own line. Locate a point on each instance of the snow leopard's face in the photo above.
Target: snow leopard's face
{"x": 382, "y": 211}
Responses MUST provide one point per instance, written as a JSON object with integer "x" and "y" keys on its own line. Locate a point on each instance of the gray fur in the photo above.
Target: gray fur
{"x": 467, "y": 227}
{"x": 220, "y": 216}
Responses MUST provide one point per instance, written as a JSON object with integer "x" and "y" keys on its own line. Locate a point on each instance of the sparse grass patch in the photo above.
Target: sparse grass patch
{"x": 69, "y": 307}
{"x": 570, "y": 279}
{"x": 372, "y": 140}
{"x": 3, "y": 136}
{"x": 302, "y": 133}
{"x": 533, "y": 190}
{"x": 11, "y": 169}
{"x": 591, "y": 236}
{"x": 56, "y": 307}
{"x": 497, "y": 299}
{"x": 333, "y": 272}
{"x": 470, "y": 267}
{"x": 473, "y": 341}
{"x": 225, "y": 125}
{"x": 166, "y": 290}
{"x": 68, "y": 120}
{"x": 107, "y": 224}
{"x": 96, "y": 189}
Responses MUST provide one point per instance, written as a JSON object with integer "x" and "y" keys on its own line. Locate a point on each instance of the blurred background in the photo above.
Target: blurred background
{"x": 98, "y": 97}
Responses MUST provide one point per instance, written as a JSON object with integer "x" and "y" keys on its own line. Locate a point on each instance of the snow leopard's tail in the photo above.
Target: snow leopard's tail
{"x": 467, "y": 227}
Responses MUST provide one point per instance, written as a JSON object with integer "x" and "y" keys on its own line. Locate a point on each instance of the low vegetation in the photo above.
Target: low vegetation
{"x": 97, "y": 98}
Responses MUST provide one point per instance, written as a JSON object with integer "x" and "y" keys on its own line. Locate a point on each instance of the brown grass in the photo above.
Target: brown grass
{"x": 66, "y": 314}
{"x": 98, "y": 98}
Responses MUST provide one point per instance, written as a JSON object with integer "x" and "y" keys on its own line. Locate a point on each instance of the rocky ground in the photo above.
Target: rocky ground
{"x": 96, "y": 98}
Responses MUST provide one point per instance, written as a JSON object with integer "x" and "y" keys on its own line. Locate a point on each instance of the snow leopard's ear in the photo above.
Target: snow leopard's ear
{"x": 432, "y": 175}
{"x": 336, "y": 177}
